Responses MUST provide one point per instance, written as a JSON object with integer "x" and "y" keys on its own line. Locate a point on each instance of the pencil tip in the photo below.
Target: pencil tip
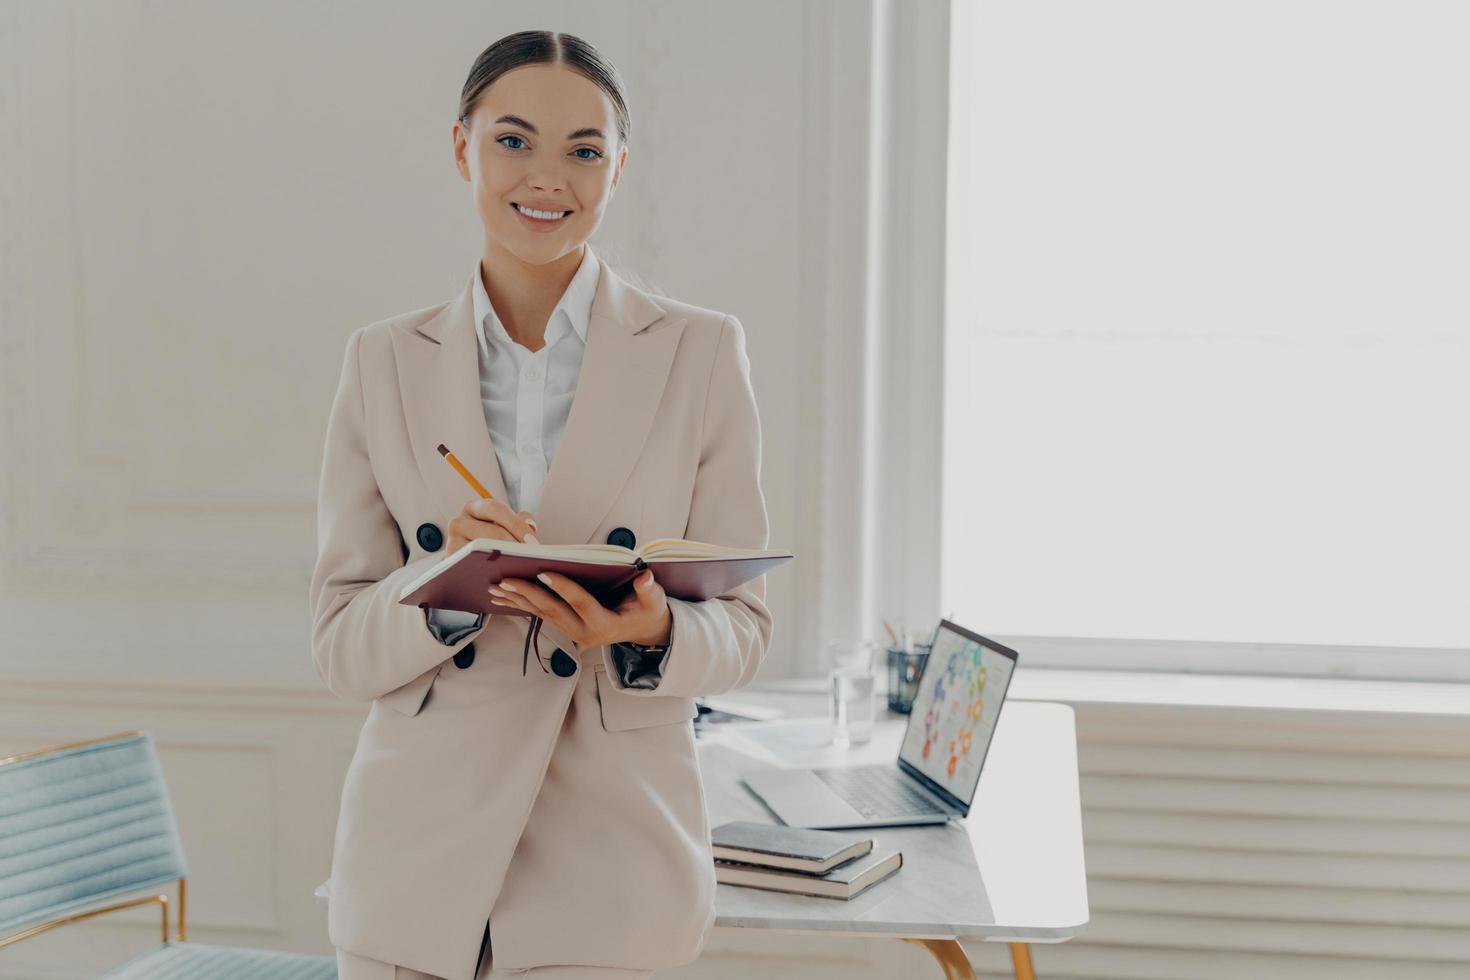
{"x": 442, "y": 450}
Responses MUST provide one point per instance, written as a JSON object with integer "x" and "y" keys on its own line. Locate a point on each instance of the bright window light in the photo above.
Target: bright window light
{"x": 1208, "y": 336}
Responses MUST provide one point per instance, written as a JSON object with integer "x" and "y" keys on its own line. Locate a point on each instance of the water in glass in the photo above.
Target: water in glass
{"x": 854, "y": 682}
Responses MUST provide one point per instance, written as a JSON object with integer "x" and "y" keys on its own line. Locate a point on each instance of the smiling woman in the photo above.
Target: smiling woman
{"x": 494, "y": 821}
{"x": 526, "y": 175}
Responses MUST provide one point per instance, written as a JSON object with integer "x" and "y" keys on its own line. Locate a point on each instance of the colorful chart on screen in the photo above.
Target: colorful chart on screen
{"x": 955, "y": 710}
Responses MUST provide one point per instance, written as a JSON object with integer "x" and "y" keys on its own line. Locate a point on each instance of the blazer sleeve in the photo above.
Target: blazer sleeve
{"x": 364, "y": 644}
{"x": 719, "y": 644}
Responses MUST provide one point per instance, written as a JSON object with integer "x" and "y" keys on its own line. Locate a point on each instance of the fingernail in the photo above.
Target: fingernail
{"x": 544, "y": 577}
{"x": 508, "y": 587}
{"x": 532, "y": 538}
{"x": 495, "y": 591}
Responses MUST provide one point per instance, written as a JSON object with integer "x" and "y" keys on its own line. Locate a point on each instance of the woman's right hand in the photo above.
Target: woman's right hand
{"x": 490, "y": 518}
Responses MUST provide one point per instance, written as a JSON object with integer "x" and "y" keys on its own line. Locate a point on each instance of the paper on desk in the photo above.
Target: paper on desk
{"x": 742, "y": 706}
{"x": 781, "y": 743}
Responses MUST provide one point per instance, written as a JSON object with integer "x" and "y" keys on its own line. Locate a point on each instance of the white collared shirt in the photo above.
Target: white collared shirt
{"x": 527, "y": 396}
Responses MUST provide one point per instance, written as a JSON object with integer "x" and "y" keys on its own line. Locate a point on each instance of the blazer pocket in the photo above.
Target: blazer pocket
{"x": 622, "y": 711}
{"x": 409, "y": 698}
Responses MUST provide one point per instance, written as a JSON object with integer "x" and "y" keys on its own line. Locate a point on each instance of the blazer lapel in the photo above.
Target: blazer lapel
{"x": 630, "y": 350}
{"x": 439, "y": 382}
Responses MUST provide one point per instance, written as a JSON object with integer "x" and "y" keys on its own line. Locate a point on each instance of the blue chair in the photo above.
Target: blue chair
{"x": 88, "y": 822}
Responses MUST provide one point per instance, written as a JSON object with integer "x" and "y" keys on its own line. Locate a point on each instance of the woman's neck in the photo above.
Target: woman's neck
{"x": 525, "y": 295}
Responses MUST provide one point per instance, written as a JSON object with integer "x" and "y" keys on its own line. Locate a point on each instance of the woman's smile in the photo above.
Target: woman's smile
{"x": 540, "y": 224}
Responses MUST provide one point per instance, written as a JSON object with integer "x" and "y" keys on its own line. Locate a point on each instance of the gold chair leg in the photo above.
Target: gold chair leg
{"x": 1021, "y": 961}
{"x": 951, "y": 957}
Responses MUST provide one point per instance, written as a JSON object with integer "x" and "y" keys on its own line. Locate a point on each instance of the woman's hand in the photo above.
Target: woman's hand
{"x": 490, "y": 518}
{"x": 643, "y": 617}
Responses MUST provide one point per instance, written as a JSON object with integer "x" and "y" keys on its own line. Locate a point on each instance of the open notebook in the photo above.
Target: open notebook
{"x": 692, "y": 570}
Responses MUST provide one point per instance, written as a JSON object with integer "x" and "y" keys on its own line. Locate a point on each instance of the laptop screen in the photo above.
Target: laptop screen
{"x": 955, "y": 709}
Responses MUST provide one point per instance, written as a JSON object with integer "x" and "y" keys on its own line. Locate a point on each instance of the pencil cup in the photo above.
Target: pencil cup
{"x": 853, "y": 679}
{"x": 905, "y": 667}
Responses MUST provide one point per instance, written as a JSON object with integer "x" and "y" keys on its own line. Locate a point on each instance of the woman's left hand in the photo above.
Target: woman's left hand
{"x": 643, "y": 617}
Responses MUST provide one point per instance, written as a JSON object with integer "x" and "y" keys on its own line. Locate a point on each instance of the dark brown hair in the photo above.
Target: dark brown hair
{"x": 544, "y": 47}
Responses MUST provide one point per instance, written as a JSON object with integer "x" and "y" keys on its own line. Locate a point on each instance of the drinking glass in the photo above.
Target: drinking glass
{"x": 853, "y": 677}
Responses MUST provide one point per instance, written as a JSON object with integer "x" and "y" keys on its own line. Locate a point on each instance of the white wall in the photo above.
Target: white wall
{"x": 200, "y": 203}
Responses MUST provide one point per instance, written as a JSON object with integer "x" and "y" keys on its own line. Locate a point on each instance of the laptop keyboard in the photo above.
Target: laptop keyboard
{"x": 877, "y": 791}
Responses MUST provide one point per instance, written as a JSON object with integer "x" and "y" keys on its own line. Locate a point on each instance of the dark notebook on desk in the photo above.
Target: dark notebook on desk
{"x": 790, "y": 848}
{"x": 845, "y": 881}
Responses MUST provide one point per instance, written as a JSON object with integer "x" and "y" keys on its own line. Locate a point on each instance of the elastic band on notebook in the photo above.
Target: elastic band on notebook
{"x": 533, "y": 637}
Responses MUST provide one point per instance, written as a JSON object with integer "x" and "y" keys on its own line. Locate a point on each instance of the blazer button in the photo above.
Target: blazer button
{"x": 430, "y": 537}
{"x": 622, "y": 537}
{"x": 466, "y": 655}
{"x": 562, "y": 664}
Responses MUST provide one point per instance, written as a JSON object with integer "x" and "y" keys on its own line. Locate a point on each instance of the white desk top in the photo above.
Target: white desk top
{"x": 1013, "y": 870}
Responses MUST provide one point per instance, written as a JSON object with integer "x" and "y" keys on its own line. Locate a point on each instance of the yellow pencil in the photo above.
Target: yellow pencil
{"x": 468, "y": 476}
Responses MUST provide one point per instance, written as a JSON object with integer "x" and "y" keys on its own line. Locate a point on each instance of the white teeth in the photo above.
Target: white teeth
{"x": 543, "y": 215}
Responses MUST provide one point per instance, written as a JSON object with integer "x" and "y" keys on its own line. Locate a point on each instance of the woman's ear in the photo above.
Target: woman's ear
{"x": 622, "y": 159}
{"x": 459, "y": 144}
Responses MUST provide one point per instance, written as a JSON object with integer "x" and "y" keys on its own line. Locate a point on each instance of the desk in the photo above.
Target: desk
{"x": 1011, "y": 872}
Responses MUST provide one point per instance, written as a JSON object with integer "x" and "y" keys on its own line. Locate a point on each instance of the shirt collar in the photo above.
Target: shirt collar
{"x": 575, "y": 305}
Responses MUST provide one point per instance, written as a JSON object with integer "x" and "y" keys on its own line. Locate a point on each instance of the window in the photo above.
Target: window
{"x": 1208, "y": 322}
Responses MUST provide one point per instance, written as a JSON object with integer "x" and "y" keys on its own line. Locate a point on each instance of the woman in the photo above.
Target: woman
{"x": 550, "y": 822}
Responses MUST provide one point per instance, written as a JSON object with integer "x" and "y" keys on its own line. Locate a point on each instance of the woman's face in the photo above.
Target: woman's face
{"x": 544, "y": 136}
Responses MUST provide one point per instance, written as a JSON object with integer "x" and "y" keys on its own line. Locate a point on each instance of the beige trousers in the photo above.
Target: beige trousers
{"x": 350, "y": 966}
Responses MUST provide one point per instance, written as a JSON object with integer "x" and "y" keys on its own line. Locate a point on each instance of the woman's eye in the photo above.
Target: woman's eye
{"x": 596, "y": 154}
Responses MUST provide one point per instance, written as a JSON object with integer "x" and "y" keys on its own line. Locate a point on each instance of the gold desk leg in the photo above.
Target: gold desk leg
{"x": 1021, "y": 961}
{"x": 951, "y": 957}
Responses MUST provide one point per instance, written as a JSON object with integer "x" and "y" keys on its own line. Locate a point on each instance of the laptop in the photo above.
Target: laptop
{"x": 949, "y": 729}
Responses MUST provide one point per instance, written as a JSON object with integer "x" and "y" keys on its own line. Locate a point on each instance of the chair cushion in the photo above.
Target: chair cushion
{"x": 177, "y": 961}
{"x": 83, "y": 825}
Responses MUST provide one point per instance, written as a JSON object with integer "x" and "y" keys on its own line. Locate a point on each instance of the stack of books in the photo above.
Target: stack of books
{"x": 799, "y": 860}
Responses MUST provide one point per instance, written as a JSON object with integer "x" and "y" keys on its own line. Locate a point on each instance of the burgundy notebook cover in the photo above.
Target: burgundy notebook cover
{"x": 463, "y": 585}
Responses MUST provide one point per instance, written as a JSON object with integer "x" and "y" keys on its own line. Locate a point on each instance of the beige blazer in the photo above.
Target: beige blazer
{"x": 568, "y": 810}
